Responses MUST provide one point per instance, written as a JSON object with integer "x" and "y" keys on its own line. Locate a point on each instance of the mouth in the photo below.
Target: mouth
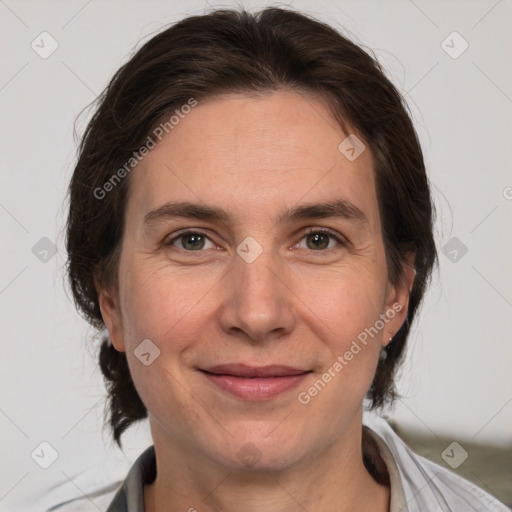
{"x": 255, "y": 382}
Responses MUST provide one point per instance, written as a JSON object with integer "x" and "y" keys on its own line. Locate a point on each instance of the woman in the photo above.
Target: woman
{"x": 250, "y": 220}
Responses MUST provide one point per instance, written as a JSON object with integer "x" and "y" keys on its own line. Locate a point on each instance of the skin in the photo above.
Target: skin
{"x": 295, "y": 305}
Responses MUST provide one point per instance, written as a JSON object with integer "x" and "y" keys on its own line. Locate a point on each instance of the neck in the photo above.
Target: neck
{"x": 334, "y": 481}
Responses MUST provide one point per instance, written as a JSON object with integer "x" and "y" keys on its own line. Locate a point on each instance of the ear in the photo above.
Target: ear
{"x": 397, "y": 302}
{"x": 111, "y": 313}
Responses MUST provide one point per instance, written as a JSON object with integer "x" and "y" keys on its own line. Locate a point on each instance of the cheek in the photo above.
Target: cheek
{"x": 346, "y": 301}
{"x": 171, "y": 308}
{"x": 165, "y": 308}
{"x": 158, "y": 304}
{"x": 346, "y": 319}
{"x": 347, "y": 312}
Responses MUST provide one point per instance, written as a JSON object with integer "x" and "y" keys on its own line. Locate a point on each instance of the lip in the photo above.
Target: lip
{"x": 255, "y": 382}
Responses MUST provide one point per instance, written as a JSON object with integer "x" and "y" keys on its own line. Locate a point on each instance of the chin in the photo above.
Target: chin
{"x": 261, "y": 453}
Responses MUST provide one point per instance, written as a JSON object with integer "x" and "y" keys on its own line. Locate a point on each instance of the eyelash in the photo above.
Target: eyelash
{"x": 308, "y": 231}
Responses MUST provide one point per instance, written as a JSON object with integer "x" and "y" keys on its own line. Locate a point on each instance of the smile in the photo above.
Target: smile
{"x": 255, "y": 383}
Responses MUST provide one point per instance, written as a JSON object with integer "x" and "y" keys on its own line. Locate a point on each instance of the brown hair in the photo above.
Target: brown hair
{"x": 236, "y": 51}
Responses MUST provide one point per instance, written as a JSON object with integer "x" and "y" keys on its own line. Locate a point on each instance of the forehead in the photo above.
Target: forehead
{"x": 254, "y": 155}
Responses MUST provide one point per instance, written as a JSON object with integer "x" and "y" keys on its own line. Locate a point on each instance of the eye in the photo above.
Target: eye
{"x": 191, "y": 241}
{"x": 320, "y": 240}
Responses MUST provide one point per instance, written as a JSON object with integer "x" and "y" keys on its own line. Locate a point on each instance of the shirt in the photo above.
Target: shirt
{"x": 416, "y": 484}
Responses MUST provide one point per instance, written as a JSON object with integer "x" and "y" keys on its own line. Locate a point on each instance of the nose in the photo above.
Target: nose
{"x": 258, "y": 300}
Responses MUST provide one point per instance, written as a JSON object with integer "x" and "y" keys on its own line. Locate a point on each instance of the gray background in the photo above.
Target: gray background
{"x": 456, "y": 380}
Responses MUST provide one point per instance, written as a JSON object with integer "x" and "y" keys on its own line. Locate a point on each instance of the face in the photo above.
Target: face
{"x": 265, "y": 315}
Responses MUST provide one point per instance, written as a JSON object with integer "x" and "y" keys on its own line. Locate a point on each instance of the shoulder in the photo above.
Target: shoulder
{"x": 426, "y": 485}
{"x": 121, "y": 497}
{"x": 130, "y": 497}
{"x": 89, "y": 502}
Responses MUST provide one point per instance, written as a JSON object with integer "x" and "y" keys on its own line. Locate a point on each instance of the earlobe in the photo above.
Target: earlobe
{"x": 111, "y": 313}
{"x": 396, "y": 313}
{"x": 398, "y": 300}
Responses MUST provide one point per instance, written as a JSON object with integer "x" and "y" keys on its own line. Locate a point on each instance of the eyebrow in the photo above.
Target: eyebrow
{"x": 337, "y": 208}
